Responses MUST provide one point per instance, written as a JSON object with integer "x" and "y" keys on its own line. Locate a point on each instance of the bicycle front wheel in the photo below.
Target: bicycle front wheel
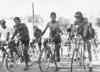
{"x": 44, "y": 60}
{"x": 2, "y": 57}
{"x": 11, "y": 63}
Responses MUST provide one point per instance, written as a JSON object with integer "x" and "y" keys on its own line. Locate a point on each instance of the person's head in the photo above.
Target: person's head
{"x": 3, "y": 23}
{"x": 53, "y": 16}
{"x": 17, "y": 20}
{"x": 35, "y": 27}
{"x": 78, "y": 15}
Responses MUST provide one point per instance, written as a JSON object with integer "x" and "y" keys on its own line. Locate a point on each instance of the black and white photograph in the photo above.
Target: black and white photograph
{"x": 49, "y": 36}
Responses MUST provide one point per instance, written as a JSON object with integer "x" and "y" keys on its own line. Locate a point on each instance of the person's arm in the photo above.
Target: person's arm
{"x": 85, "y": 28}
{"x": 14, "y": 34}
{"x": 8, "y": 35}
{"x": 45, "y": 29}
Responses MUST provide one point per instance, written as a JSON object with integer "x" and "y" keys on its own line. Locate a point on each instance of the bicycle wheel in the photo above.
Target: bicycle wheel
{"x": 2, "y": 57}
{"x": 44, "y": 60}
{"x": 11, "y": 63}
{"x": 75, "y": 61}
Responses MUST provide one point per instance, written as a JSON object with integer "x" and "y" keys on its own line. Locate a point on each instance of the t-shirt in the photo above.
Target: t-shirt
{"x": 22, "y": 30}
{"x": 4, "y": 32}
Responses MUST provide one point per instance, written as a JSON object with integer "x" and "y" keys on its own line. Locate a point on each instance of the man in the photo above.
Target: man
{"x": 22, "y": 30}
{"x": 37, "y": 34}
{"x": 54, "y": 27}
{"x": 82, "y": 30}
{"x": 5, "y": 32}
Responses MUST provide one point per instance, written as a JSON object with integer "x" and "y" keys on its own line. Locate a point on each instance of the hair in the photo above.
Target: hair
{"x": 53, "y": 13}
{"x": 17, "y": 18}
{"x": 79, "y": 13}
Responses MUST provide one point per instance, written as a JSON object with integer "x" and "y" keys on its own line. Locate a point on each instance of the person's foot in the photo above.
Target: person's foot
{"x": 90, "y": 69}
{"x": 68, "y": 55}
{"x": 84, "y": 57}
{"x": 58, "y": 59}
{"x": 26, "y": 68}
{"x": 57, "y": 69}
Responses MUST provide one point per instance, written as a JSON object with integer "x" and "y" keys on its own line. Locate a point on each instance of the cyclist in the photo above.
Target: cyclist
{"x": 54, "y": 27}
{"x": 22, "y": 30}
{"x": 82, "y": 30}
{"x": 37, "y": 34}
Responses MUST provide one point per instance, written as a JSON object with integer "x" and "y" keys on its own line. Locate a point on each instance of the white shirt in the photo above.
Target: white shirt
{"x": 4, "y": 32}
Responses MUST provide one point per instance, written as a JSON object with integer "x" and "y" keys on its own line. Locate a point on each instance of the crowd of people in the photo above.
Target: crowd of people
{"x": 81, "y": 26}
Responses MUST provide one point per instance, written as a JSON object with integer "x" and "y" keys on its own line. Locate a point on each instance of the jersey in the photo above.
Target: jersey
{"x": 22, "y": 30}
{"x": 4, "y": 32}
{"x": 81, "y": 26}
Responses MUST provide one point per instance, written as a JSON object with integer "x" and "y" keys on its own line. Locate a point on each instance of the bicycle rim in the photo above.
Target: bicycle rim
{"x": 11, "y": 63}
{"x": 75, "y": 67}
{"x": 44, "y": 62}
{"x": 2, "y": 58}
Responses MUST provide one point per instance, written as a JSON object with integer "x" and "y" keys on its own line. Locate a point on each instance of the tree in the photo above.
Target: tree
{"x": 37, "y": 19}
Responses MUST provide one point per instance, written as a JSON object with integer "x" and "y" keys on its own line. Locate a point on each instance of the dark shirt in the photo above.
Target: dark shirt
{"x": 22, "y": 30}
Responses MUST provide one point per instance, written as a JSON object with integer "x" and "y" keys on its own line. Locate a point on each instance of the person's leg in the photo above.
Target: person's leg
{"x": 26, "y": 55}
{"x": 89, "y": 55}
{"x": 58, "y": 52}
{"x": 25, "y": 52}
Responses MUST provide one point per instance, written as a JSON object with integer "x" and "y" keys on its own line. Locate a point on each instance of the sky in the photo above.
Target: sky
{"x": 63, "y": 8}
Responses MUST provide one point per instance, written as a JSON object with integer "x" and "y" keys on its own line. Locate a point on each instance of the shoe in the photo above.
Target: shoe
{"x": 90, "y": 69}
{"x": 26, "y": 68}
{"x": 57, "y": 69}
{"x": 58, "y": 59}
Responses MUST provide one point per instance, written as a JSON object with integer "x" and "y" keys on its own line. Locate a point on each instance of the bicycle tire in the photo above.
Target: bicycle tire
{"x": 12, "y": 61}
{"x": 40, "y": 61}
{"x": 75, "y": 66}
{"x": 2, "y": 60}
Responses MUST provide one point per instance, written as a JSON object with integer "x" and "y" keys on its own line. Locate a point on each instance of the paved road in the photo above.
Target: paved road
{"x": 64, "y": 65}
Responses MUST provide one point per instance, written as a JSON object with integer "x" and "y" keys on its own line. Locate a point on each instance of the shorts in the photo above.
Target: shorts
{"x": 57, "y": 40}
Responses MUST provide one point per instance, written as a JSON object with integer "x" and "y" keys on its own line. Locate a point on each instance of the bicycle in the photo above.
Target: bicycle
{"x": 33, "y": 49}
{"x": 47, "y": 56}
{"x": 6, "y": 56}
{"x": 78, "y": 55}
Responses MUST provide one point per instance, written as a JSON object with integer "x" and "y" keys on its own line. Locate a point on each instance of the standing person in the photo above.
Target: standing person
{"x": 37, "y": 34}
{"x": 22, "y": 30}
{"x": 5, "y": 32}
{"x": 54, "y": 27}
{"x": 82, "y": 30}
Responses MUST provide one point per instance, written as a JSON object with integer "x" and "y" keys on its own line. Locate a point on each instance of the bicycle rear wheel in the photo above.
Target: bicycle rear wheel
{"x": 44, "y": 60}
